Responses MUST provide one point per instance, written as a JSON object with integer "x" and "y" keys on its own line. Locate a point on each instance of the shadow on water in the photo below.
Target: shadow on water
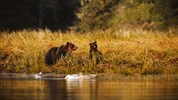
{"x": 118, "y": 88}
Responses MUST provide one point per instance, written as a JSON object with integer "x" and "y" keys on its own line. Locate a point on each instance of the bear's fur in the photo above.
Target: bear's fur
{"x": 94, "y": 53}
{"x": 55, "y": 53}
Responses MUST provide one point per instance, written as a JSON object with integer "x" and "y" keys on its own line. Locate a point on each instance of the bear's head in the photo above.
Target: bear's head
{"x": 71, "y": 47}
{"x": 93, "y": 46}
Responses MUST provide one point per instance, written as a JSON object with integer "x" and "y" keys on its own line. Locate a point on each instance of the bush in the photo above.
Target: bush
{"x": 127, "y": 14}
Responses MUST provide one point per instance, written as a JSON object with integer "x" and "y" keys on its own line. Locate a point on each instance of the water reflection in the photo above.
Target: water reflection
{"x": 82, "y": 90}
{"x": 101, "y": 89}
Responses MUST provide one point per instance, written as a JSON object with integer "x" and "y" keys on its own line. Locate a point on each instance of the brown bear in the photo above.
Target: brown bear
{"x": 94, "y": 53}
{"x": 55, "y": 53}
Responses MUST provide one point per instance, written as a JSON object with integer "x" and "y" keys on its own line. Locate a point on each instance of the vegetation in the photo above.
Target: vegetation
{"x": 125, "y": 52}
{"x": 127, "y": 14}
{"x": 135, "y": 36}
{"x": 53, "y": 14}
{"x": 88, "y": 15}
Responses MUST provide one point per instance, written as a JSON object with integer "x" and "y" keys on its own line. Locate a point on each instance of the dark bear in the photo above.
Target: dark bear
{"x": 55, "y": 53}
{"x": 94, "y": 53}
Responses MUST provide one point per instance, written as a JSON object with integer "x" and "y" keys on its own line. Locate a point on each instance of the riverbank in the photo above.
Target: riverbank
{"x": 125, "y": 52}
{"x": 99, "y": 76}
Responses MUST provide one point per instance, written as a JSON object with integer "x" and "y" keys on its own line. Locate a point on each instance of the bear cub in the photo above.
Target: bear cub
{"x": 55, "y": 53}
{"x": 94, "y": 53}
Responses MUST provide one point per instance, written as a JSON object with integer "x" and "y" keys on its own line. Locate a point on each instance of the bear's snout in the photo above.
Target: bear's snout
{"x": 72, "y": 49}
{"x": 76, "y": 48}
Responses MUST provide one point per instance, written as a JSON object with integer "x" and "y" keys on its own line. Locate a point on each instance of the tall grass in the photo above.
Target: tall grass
{"x": 125, "y": 52}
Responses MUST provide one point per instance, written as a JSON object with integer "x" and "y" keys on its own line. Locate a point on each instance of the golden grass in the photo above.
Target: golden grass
{"x": 125, "y": 52}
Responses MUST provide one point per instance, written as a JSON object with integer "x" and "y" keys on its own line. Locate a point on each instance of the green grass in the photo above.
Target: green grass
{"x": 125, "y": 52}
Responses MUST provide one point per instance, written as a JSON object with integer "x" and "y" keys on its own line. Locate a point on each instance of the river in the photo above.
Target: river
{"x": 105, "y": 87}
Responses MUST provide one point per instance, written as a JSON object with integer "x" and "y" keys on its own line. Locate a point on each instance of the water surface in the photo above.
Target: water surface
{"x": 106, "y": 87}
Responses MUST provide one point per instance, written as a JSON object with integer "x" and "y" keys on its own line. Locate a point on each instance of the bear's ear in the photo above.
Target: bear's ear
{"x": 67, "y": 43}
{"x": 95, "y": 42}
